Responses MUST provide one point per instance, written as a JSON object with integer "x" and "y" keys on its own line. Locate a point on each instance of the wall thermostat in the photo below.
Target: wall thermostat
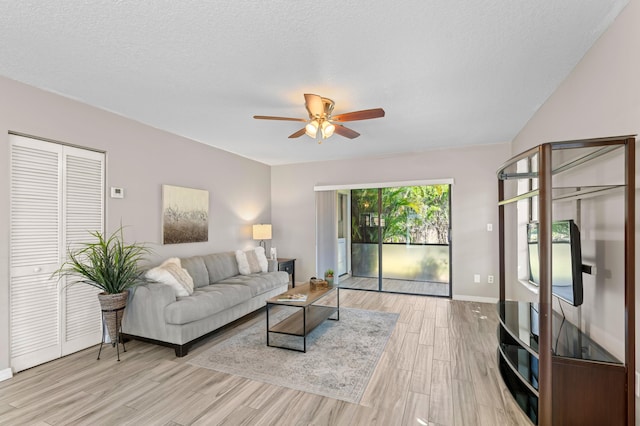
{"x": 117, "y": 192}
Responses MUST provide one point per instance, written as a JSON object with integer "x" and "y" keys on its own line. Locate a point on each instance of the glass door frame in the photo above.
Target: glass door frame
{"x": 424, "y": 182}
{"x": 380, "y": 242}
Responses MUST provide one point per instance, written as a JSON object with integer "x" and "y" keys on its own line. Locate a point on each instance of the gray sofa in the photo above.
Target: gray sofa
{"x": 154, "y": 313}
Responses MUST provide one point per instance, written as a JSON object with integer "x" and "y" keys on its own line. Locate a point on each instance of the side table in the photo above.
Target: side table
{"x": 288, "y": 266}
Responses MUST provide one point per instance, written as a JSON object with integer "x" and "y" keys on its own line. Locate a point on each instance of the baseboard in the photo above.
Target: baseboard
{"x": 5, "y": 374}
{"x": 465, "y": 298}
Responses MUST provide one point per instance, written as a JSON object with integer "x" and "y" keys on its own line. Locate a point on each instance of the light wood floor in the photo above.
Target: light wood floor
{"x": 439, "y": 368}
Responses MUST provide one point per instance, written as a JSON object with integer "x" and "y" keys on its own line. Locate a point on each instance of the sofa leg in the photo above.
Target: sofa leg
{"x": 181, "y": 350}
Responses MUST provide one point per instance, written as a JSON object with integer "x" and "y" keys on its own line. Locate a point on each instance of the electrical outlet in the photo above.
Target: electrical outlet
{"x": 476, "y": 278}
{"x": 490, "y": 279}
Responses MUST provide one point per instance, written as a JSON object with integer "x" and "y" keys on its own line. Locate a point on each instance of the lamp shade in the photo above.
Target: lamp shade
{"x": 327, "y": 129}
{"x": 311, "y": 129}
{"x": 262, "y": 232}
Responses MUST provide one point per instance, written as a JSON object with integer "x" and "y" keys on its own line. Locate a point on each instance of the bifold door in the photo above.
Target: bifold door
{"x": 57, "y": 198}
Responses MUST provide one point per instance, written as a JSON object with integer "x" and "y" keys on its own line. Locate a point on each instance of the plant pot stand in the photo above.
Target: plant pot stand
{"x": 106, "y": 314}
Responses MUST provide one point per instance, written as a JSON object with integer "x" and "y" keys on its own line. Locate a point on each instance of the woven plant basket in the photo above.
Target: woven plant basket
{"x": 112, "y": 309}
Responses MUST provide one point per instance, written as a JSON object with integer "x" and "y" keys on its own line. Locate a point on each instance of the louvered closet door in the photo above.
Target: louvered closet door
{"x": 83, "y": 196}
{"x": 52, "y": 199}
{"x": 36, "y": 183}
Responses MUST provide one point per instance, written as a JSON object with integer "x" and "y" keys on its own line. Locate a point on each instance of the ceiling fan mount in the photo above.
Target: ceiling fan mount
{"x": 320, "y": 112}
{"x": 327, "y": 108}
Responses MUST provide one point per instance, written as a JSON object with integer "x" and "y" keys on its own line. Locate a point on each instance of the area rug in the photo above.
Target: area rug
{"x": 340, "y": 359}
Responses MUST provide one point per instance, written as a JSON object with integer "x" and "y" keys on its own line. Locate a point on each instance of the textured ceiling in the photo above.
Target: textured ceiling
{"x": 448, "y": 73}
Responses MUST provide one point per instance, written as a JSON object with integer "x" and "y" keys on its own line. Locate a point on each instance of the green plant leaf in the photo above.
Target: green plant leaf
{"x": 106, "y": 263}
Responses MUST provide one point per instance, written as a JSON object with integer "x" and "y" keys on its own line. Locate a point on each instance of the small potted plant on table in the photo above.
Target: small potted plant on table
{"x": 328, "y": 276}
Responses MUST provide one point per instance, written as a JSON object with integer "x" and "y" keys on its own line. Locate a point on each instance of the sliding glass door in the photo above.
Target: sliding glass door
{"x": 365, "y": 238}
{"x": 400, "y": 240}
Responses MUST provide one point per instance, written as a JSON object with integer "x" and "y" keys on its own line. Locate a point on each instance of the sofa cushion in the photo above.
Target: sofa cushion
{"x": 262, "y": 259}
{"x": 248, "y": 262}
{"x": 221, "y": 266}
{"x": 259, "y": 283}
{"x": 243, "y": 263}
{"x": 196, "y": 268}
{"x": 252, "y": 259}
{"x": 204, "y": 302}
{"x": 170, "y": 272}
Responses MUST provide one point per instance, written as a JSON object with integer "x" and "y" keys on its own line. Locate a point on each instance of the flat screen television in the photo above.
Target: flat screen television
{"x": 566, "y": 260}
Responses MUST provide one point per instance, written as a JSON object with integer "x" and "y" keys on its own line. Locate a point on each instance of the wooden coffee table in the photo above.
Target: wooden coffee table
{"x": 311, "y": 313}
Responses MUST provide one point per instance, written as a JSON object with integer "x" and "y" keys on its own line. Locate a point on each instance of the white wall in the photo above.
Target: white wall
{"x": 474, "y": 205}
{"x": 601, "y": 97}
{"x": 140, "y": 159}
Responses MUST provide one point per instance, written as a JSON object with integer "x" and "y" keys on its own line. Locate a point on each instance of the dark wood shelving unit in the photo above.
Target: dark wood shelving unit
{"x": 555, "y": 371}
{"x": 576, "y": 358}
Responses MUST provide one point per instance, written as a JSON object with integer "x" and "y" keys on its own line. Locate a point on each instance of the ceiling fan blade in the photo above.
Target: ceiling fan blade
{"x": 345, "y": 131}
{"x": 359, "y": 115}
{"x": 298, "y": 133}
{"x": 314, "y": 105}
{"x": 268, "y": 117}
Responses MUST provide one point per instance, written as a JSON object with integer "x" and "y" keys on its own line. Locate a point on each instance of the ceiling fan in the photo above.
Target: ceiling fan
{"x": 320, "y": 118}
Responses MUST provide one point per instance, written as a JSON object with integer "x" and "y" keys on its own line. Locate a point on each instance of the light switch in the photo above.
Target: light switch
{"x": 489, "y": 227}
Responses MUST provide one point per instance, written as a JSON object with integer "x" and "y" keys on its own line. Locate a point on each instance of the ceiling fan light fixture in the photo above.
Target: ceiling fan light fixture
{"x": 320, "y": 113}
{"x": 327, "y": 129}
{"x": 311, "y": 129}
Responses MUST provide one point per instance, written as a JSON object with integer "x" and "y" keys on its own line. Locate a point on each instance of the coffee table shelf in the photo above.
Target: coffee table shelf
{"x": 293, "y": 324}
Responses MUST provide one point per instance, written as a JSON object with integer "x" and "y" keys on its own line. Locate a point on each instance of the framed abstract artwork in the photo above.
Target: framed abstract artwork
{"x": 185, "y": 215}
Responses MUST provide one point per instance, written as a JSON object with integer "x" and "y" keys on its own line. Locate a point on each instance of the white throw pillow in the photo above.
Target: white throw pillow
{"x": 252, "y": 258}
{"x": 262, "y": 259}
{"x": 249, "y": 262}
{"x": 170, "y": 272}
{"x": 243, "y": 263}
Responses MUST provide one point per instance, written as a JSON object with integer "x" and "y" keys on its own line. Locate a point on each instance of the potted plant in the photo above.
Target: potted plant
{"x": 110, "y": 265}
{"x": 328, "y": 276}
